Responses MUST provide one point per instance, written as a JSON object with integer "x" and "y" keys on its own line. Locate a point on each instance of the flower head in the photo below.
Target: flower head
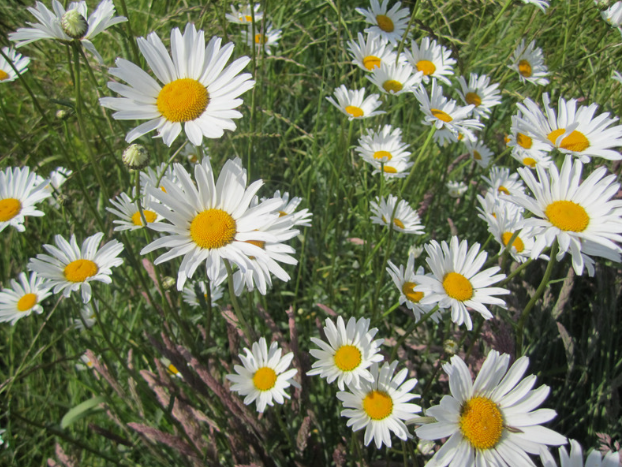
{"x": 354, "y": 104}
{"x": 20, "y": 63}
{"x": 390, "y": 24}
{"x": 371, "y": 51}
{"x": 398, "y": 216}
{"x": 528, "y": 62}
{"x": 244, "y": 14}
{"x": 20, "y": 190}
{"x": 479, "y": 93}
{"x": 23, "y": 298}
{"x": 262, "y": 39}
{"x": 431, "y": 60}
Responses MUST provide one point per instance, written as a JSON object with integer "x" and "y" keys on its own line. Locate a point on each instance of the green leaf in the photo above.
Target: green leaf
{"x": 80, "y": 411}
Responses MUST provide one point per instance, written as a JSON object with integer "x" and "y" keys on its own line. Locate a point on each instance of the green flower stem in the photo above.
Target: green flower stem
{"x": 236, "y": 306}
{"x": 410, "y": 329}
{"x": 130, "y": 33}
{"x": 514, "y": 273}
{"x": 420, "y": 157}
{"x": 491, "y": 26}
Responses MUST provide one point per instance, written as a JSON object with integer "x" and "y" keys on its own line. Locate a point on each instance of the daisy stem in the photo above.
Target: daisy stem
{"x": 419, "y": 159}
{"x": 130, "y": 32}
{"x": 410, "y": 329}
{"x": 380, "y": 273}
{"x": 514, "y": 273}
{"x": 491, "y": 26}
{"x": 236, "y": 306}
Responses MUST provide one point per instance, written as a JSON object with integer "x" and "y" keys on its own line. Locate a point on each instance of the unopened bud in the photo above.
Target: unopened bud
{"x": 415, "y": 251}
{"x": 168, "y": 282}
{"x": 62, "y": 114}
{"x": 74, "y": 24}
{"x": 450, "y": 346}
{"x": 135, "y": 157}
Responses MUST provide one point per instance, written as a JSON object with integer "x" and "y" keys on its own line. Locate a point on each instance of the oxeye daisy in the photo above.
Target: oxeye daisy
{"x": 431, "y": 59}
{"x": 126, "y": 209}
{"x": 479, "y": 152}
{"x": 404, "y": 281}
{"x": 7, "y": 73}
{"x": 263, "y": 377}
{"x": 613, "y": 15}
{"x": 526, "y": 148}
{"x": 370, "y": 51}
{"x": 87, "y": 316}
{"x": 215, "y": 291}
{"x": 398, "y": 216}
{"x": 71, "y": 268}
{"x": 353, "y": 104}
{"x": 575, "y": 458}
{"x": 170, "y": 368}
{"x": 570, "y": 211}
{"x": 244, "y": 15}
{"x": 457, "y": 281}
{"x": 388, "y": 24}
{"x": 20, "y": 190}
{"x": 87, "y": 363}
{"x": 209, "y": 222}
{"x": 493, "y": 206}
{"x": 350, "y": 351}
{"x": 480, "y": 93}
{"x": 153, "y": 178}
{"x": 395, "y": 78}
{"x": 383, "y": 149}
{"x": 528, "y": 62}
{"x": 287, "y": 210}
{"x": 57, "y": 178}
{"x": 542, "y": 4}
{"x": 22, "y": 298}
{"x": 198, "y": 91}
{"x": 68, "y": 25}
{"x": 456, "y": 189}
{"x": 502, "y": 183}
{"x": 504, "y": 224}
{"x": 262, "y": 40}
{"x": 381, "y": 405}
{"x": 492, "y": 421}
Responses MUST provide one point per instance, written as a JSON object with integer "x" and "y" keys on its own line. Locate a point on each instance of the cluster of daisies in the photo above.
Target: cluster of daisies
{"x": 259, "y": 34}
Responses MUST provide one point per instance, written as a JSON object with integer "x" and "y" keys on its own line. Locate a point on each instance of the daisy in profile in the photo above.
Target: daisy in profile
{"x": 503, "y": 225}
{"x": 388, "y": 24}
{"x": 354, "y": 104}
{"x": 20, "y": 190}
{"x": 264, "y": 376}
{"x": 128, "y": 212}
{"x": 68, "y": 25}
{"x": 287, "y": 210}
{"x": 197, "y": 90}
{"x": 403, "y": 278}
{"x": 170, "y": 368}
{"x": 480, "y": 93}
{"x": 57, "y": 178}
{"x": 381, "y": 405}
{"x": 613, "y": 15}
{"x": 23, "y": 298}
{"x": 194, "y": 154}
{"x": 87, "y": 316}
{"x": 71, "y": 268}
{"x": 542, "y": 4}
{"x": 502, "y": 183}
{"x": 526, "y": 148}
{"x": 457, "y": 281}
{"x": 87, "y": 363}
{"x": 398, "y": 216}
{"x": 575, "y": 458}
{"x": 262, "y": 40}
{"x": 370, "y": 52}
{"x": 395, "y": 78}
{"x": 7, "y": 73}
{"x": 528, "y": 62}
{"x": 154, "y": 178}
{"x": 243, "y": 14}
{"x": 211, "y": 221}
{"x": 492, "y": 206}
{"x": 431, "y": 59}
{"x": 215, "y": 291}
{"x": 479, "y": 152}
{"x": 492, "y": 421}
{"x": 456, "y": 189}
{"x": 571, "y": 212}
{"x": 383, "y": 148}
{"x": 348, "y": 354}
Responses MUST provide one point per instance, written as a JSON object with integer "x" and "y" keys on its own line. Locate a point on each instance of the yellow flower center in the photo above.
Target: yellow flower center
{"x": 3, "y": 75}
{"x": 258, "y": 243}
{"x": 282, "y": 213}
{"x": 9, "y": 208}
{"x": 481, "y": 422}
{"x": 27, "y": 302}
{"x": 398, "y": 223}
{"x": 503, "y": 190}
{"x": 517, "y": 244}
{"x": 80, "y": 270}
{"x": 370, "y": 62}
{"x": 383, "y": 155}
{"x": 150, "y": 216}
{"x": 524, "y": 141}
{"x": 182, "y": 100}
{"x": 408, "y": 290}
{"x": 378, "y": 405}
{"x": 173, "y": 369}
{"x": 260, "y": 39}
{"x": 530, "y": 162}
{"x": 477, "y": 156}
{"x": 426, "y": 66}
{"x": 213, "y": 228}
{"x": 392, "y": 85}
{"x": 567, "y": 216}
{"x": 248, "y": 18}
{"x": 457, "y": 286}
{"x": 354, "y": 111}
{"x": 473, "y": 99}
{"x": 348, "y": 358}
{"x": 264, "y": 378}
{"x": 575, "y": 141}
{"x": 385, "y": 23}
{"x": 390, "y": 170}
{"x": 442, "y": 116}
{"x": 524, "y": 68}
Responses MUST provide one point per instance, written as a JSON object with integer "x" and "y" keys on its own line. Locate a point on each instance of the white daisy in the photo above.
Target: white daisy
{"x": 399, "y": 216}
{"x": 87, "y": 314}
{"x": 575, "y": 458}
{"x": 210, "y": 222}
{"x": 126, "y": 209}
{"x": 404, "y": 281}
{"x": 194, "y": 154}
{"x": 351, "y": 103}
{"x": 502, "y": 184}
{"x": 492, "y": 421}
{"x": 480, "y": 93}
{"x": 350, "y": 351}
{"x": 269, "y": 38}
{"x": 381, "y": 406}
{"x": 153, "y": 178}
{"x": 385, "y": 150}
{"x": 589, "y": 249}
{"x": 68, "y": 25}
{"x": 613, "y": 15}
{"x": 431, "y": 59}
{"x": 388, "y": 24}
{"x": 197, "y": 91}
{"x": 456, "y": 189}
{"x": 570, "y": 211}
{"x": 22, "y": 299}
{"x": 71, "y": 268}
{"x": 7, "y": 73}
{"x": 526, "y": 148}
{"x": 370, "y": 52}
{"x": 457, "y": 282}
{"x": 528, "y": 62}
{"x": 287, "y": 210}
{"x": 395, "y": 78}
{"x": 493, "y": 206}
{"x": 170, "y": 368}
{"x": 542, "y": 4}
{"x": 244, "y": 14}
{"x": 86, "y": 364}
{"x": 263, "y": 377}
{"x": 215, "y": 291}
{"x": 20, "y": 190}
{"x": 504, "y": 224}
{"x": 57, "y": 178}
{"x": 479, "y": 152}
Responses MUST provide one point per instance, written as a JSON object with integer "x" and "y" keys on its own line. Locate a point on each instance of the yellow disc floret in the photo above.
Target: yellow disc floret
{"x": 568, "y": 216}
{"x": 442, "y": 116}
{"x": 398, "y": 223}
{"x": 383, "y": 155}
{"x": 473, "y": 99}
{"x": 524, "y": 68}
{"x": 411, "y": 295}
{"x": 150, "y": 216}
{"x": 9, "y": 208}
{"x": 392, "y": 85}
{"x": 503, "y": 190}
{"x": 354, "y": 111}
{"x": 389, "y": 170}
{"x": 426, "y": 66}
{"x": 3, "y": 75}
{"x": 213, "y": 228}
{"x": 476, "y": 155}
{"x": 378, "y": 405}
{"x": 370, "y": 62}
{"x": 264, "y": 378}
{"x": 457, "y": 286}
{"x": 524, "y": 141}
{"x": 575, "y": 141}
{"x": 481, "y": 422}
{"x": 529, "y": 162}
{"x": 27, "y": 302}
{"x": 348, "y": 358}
{"x": 80, "y": 270}
{"x": 517, "y": 244}
{"x": 182, "y": 100}
{"x": 385, "y": 23}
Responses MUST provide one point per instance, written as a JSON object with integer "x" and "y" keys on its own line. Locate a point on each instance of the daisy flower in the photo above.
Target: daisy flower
{"x": 570, "y": 211}
{"x": 431, "y": 59}
{"x": 7, "y": 73}
{"x": 383, "y": 148}
{"x": 492, "y": 421}
{"x": 457, "y": 282}
{"x": 20, "y": 190}
{"x": 350, "y": 351}
{"x": 370, "y": 52}
{"x": 287, "y": 210}
{"x": 503, "y": 225}
{"x": 397, "y": 168}
{"x": 126, "y": 209}
{"x": 153, "y": 178}
{"x": 215, "y": 291}
{"x": 269, "y": 38}
{"x": 244, "y": 15}
{"x": 456, "y": 189}
{"x": 395, "y": 78}
{"x": 381, "y": 405}
{"x": 170, "y": 368}
{"x": 208, "y": 221}
{"x": 57, "y": 178}
{"x": 528, "y": 62}
{"x": 402, "y": 218}
{"x": 479, "y": 152}
{"x": 575, "y": 458}
{"x": 351, "y": 103}
{"x": 86, "y": 364}
{"x": 542, "y": 4}
{"x": 388, "y": 24}
{"x": 263, "y": 377}
{"x": 526, "y": 148}
{"x": 71, "y": 268}
{"x": 68, "y": 25}
{"x": 87, "y": 314}
{"x": 502, "y": 183}
{"x": 480, "y": 93}
{"x": 404, "y": 281}
{"x": 194, "y": 154}
{"x": 613, "y": 15}
{"x": 198, "y": 92}
{"x": 23, "y": 298}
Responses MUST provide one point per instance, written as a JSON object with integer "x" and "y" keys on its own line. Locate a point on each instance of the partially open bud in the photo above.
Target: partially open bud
{"x": 62, "y": 114}
{"x": 135, "y": 157}
{"x": 74, "y": 24}
{"x": 450, "y": 347}
{"x": 168, "y": 282}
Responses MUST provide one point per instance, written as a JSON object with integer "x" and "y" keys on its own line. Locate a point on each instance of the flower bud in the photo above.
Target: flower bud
{"x": 74, "y": 24}
{"x": 168, "y": 282}
{"x": 135, "y": 157}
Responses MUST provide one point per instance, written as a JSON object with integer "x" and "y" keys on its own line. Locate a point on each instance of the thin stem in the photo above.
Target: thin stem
{"x": 236, "y": 306}
{"x": 419, "y": 158}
